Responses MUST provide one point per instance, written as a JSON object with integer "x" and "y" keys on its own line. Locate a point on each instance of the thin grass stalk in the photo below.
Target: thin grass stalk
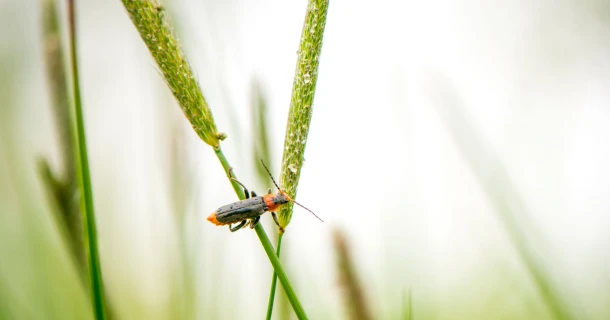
{"x": 150, "y": 21}
{"x": 262, "y": 151}
{"x": 504, "y": 196}
{"x": 90, "y": 234}
{"x": 281, "y": 274}
{"x": 274, "y": 279}
{"x": 267, "y": 246}
{"x": 262, "y": 146}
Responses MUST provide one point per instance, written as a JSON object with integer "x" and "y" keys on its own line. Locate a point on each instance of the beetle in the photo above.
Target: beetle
{"x": 249, "y": 211}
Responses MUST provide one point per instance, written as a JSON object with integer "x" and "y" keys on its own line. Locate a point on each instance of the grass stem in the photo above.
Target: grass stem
{"x": 267, "y": 246}
{"x": 274, "y": 279}
{"x": 281, "y": 274}
{"x": 90, "y": 234}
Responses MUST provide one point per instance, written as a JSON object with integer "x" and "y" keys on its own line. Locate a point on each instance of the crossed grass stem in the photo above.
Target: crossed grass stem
{"x": 151, "y": 22}
{"x": 267, "y": 246}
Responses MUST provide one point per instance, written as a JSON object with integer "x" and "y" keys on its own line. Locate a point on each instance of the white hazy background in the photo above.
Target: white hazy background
{"x": 533, "y": 77}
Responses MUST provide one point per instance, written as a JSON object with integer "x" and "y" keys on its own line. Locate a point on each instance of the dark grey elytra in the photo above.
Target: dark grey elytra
{"x": 241, "y": 210}
{"x": 249, "y": 209}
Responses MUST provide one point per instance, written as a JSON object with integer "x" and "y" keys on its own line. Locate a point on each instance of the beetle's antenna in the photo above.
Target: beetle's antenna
{"x": 270, "y": 176}
{"x": 282, "y": 191}
{"x": 302, "y": 206}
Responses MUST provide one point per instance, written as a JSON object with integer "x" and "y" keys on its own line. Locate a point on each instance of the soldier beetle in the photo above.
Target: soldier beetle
{"x": 249, "y": 210}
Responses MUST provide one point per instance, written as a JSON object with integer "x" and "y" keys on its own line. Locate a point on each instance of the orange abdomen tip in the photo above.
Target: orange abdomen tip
{"x": 212, "y": 219}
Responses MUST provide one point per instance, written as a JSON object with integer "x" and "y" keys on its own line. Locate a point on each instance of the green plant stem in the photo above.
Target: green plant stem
{"x": 274, "y": 279}
{"x": 230, "y": 174}
{"x": 262, "y": 236}
{"x": 90, "y": 234}
{"x": 279, "y": 270}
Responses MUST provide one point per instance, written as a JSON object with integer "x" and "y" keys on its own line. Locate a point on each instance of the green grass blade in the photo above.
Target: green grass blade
{"x": 281, "y": 274}
{"x": 90, "y": 234}
{"x": 229, "y": 171}
{"x": 274, "y": 279}
{"x": 262, "y": 146}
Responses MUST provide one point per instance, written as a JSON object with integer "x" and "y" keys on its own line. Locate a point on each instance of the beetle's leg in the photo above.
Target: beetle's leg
{"x": 277, "y": 222}
{"x": 239, "y": 226}
{"x": 242, "y": 185}
{"x": 252, "y": 194}
{"x": 254, "y": 222}
{"x": 230, "y": 174}
{"x": 269, "y": 191}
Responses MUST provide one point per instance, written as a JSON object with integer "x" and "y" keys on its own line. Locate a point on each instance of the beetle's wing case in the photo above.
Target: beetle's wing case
{"x": 241, "y": 210}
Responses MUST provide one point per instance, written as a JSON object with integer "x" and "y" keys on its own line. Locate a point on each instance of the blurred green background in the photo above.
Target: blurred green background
{"x": 458, "y": 154}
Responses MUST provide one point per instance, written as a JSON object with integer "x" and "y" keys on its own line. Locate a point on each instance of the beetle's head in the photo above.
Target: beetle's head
{"x": 281, "y": 198}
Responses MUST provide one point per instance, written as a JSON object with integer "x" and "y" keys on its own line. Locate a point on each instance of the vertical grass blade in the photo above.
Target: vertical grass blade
{"x": 90, "y": 234}
{"x": 301, "y": 102}
{"x": 281, "y": 274}
{"x": 274, "y": 280}
{"x": 354, "y": 294}
{"x": 262, "y": 151}
{"x": 262, "y": 146}
{"x": 504, "y": 196}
